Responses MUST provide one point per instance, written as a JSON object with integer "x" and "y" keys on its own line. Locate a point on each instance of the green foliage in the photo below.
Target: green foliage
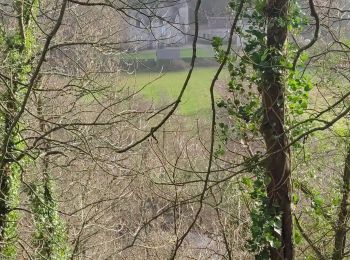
{"x": 245, "y": 109}
{"x": 265, "y": 224}
{"x": 12, "y": 201}
{"x": 196, "y": 100}
{"x": 50, "y": 235}
{"x": 260, "y": 6}
{"x": 185, "y": 53}
{"x": 217, "y": 44}
{"x": 297, "y": 18}
{"x": 298, "y": 88}
{"x": 17, "y": 48}
{"x": 223, "y": 137}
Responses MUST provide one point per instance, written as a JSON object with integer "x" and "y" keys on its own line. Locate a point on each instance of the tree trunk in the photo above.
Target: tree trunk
{"x": 9, "y": 148}
{"x": 341, "y": 228}
{"x": 278, "y": 157}
{"x": 6, "y": 156}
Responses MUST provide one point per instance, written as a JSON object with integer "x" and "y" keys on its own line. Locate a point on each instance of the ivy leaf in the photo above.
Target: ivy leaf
{"x": 308, "y": 87}
{"x": 221, "y": 103}
{"x": 247, "y": 181}
{"x": 295, "y": 198}
{"x": 216, "y": 42}
{"x": 297, "y": 237}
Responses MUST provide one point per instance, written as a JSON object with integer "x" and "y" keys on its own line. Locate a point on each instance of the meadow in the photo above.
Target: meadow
{"x": 164, "y": 88}
{"x": 204, "y": 51}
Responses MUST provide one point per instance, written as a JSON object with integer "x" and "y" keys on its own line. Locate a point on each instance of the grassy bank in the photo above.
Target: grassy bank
{"x": 166, "y": 88}
{"x": 185, "y": 52}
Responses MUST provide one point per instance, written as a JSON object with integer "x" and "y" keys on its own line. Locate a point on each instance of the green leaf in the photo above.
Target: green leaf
{"x": 297, "y": 237}
{"x": 247, "y": 181}
{"x": 308, "y": 87}
{"x": 216, "y": 42}
{"x": 295, "y": 198}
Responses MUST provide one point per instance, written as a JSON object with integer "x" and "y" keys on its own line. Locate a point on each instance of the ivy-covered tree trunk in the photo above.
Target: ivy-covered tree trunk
{"x": 50, "y": 236}
{"x": 6, "y": 156}
{"x": 341, "y": 225}
{"x": 278, "y": 156}
{"x": 16, "y": 47}
{"x": 8, "y": 168}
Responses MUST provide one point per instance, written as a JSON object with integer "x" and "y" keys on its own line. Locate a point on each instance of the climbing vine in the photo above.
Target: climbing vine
{"x": 19, "y": 49}
{"x": 50, "y": 237}
{"x": 245, "y": 110}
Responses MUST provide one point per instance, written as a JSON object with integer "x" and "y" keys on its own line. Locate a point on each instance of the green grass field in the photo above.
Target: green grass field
{"x": 185, "y": 52}
{"x": 163, "y": 91}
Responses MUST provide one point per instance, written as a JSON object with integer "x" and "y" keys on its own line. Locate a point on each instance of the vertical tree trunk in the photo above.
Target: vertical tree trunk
{"x": 341, "y": 228}
{"x": 17, "y": 67}
{"x": 6, "y": 156}
{"x": 272, "y": 128}
{"x": 46, "y": 243}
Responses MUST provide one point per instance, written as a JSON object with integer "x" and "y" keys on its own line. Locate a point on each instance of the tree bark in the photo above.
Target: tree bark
{"x": 10, "y": 127}
{"x": 278, "y": 156}
{"x": 341, "y": 228}
{"x": 6, "y": 159}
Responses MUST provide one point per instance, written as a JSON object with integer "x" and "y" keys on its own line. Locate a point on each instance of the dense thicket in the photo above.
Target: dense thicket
{"x": 99, "y": 162}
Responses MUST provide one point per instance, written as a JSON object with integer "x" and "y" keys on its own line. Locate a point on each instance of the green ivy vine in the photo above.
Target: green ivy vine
{"x": 245, "y": 111}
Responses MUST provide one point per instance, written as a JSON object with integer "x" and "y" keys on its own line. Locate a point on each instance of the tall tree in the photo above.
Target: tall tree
{"x": 273, "y": 125}
{"x": 341, "y": 227}
{"x": 18, "y": 47}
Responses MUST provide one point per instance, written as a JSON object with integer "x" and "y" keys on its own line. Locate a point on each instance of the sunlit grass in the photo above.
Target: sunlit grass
{"x": 185, "y": 52}
{"x": 166, "y": 88}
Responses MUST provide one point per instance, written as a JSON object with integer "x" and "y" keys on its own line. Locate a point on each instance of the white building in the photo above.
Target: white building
{"x": 215, "y": 27}
{"x": 160, "y": 25}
